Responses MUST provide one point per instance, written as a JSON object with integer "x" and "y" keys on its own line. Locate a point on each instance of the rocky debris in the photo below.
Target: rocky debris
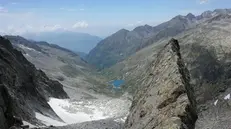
{"x": 216, "y": 113}
{"x": 166, "y": 99}
{"x": 100, "y": 124}
{"x": 24, "y": 89}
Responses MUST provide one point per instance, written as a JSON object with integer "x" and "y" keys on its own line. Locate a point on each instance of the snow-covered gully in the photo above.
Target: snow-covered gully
{"x": 76, "y": 111}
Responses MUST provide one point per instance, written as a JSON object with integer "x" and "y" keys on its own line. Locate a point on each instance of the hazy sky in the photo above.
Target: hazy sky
{"x": 97, "y": 17}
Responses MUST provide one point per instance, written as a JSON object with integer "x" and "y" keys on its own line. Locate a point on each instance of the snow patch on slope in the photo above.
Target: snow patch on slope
{"x": 27, "y": 48}
{"x": 30, "y": 125}
{"x": 227, "y": 97}
{"x": 78, "y": 111}
{"x": 89, "y": 110}
{"x": 70, "y": 114}
{"x": 215, "y": 103}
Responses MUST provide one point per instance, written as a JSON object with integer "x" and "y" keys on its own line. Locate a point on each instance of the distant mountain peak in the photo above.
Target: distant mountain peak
{"x": 129, "y": 42}
{"x": 178, "y": 17}
{"x": 146, "y": 26}
{"x": 190, "y": 16}
{"x": 123, "y": 31}
{"x": 222, "y": 11}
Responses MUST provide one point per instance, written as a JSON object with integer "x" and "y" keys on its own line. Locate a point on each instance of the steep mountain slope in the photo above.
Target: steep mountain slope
{"x": 166, "y": 99}
{"x": 74, "y": 41}
{"x": 78, "y": 77}
{"x": 82, "y": 55}
{"x": 124, "y": 43}
{"x": 24, "y": 90}
{"x": 206, "y": 52}
{"x": 211, "y": 32}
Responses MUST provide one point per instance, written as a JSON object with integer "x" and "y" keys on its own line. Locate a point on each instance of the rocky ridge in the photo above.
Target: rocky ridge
{"x": 166, "y": 99}
{"x": 124, "y": 43}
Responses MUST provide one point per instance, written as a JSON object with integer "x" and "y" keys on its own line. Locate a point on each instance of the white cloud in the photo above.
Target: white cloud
{"x": 82, "y": 9}
{"x": 19, "y": 23}
{"x": 80, "y": 24}
{"x": 204, "y": 1}
{"x": 29, "y": 22}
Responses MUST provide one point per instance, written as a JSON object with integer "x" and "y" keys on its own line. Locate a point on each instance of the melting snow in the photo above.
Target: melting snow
{"x": 227, "y": 97}
{"x": 27, "y": 55}
{"x": 24, "y": 47}
{"x": 69, "y": 113}
{"x": 47, "y": 120}
{"x": 81, "y": 111}
{"x": 215, "y": 103}
{"x": 121, "y": 119}
{"x": 28, "y": 48}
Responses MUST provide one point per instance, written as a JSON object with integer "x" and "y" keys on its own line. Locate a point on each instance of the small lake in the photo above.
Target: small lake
{"x": 117, "y": 83}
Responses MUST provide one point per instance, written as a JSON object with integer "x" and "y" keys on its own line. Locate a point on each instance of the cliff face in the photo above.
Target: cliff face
{"x": 166, "y": 99}
{"x": 24, "y": 90}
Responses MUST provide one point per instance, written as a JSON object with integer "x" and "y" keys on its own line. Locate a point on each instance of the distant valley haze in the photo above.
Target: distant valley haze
{"x": 79, "y": 25}
{"x": 75, "y": 41}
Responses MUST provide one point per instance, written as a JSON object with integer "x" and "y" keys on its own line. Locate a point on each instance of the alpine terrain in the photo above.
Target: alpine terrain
{"x": 176, "y": 75}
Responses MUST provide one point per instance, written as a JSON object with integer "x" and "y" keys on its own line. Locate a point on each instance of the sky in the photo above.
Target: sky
{"x": 96, "y": 17}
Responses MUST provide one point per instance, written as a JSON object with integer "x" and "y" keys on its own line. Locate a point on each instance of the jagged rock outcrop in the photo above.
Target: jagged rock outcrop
{"x": 24, "y": 90}
{"x": 166, "y": 99}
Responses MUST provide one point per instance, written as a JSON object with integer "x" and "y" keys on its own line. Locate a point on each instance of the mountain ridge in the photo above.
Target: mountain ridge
{"x": 114, "y": 49}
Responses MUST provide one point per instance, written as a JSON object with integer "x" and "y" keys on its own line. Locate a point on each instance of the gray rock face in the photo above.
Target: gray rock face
{"x": 216, "y": 114}
{"x": 24, "y": 89}
{"x": 6, "y": 116}
{"x": 166, "y": 98}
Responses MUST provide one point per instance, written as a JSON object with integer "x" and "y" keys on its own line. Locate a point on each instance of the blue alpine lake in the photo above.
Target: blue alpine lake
{"x": 117, "y": 83}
